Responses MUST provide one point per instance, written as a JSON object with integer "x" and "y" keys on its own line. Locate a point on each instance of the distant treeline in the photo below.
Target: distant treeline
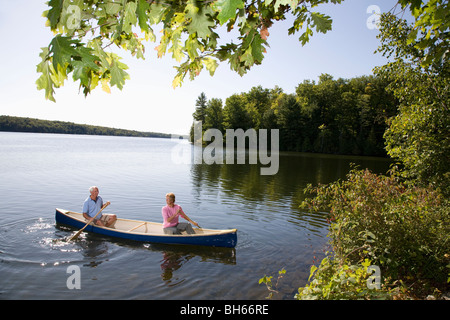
{"x": 21, "y": 124}
{"x": 343, "y": 116}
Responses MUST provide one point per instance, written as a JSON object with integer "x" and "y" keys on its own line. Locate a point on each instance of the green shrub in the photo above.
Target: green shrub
{"x": 334, "y": 281}
{"x": 401, "y": 228}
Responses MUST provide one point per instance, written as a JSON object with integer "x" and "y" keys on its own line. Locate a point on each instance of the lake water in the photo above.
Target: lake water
{"x": 40, "y": 172}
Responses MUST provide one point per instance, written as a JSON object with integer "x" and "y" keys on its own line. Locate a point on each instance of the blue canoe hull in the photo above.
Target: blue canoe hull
{"x": 213, "y": 238}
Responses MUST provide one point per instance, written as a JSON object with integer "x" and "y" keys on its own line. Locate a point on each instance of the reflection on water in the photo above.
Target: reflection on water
{"x": 173, "y": 258}
{"x": 281, "y": 194}
{"x": 296, "y": 171}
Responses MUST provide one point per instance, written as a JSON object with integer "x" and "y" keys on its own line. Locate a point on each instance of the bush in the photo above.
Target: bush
{"x": 399, "y": 227}
{"x": 341, "y": 280}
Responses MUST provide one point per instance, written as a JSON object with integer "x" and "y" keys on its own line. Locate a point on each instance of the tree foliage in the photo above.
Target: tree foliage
{"x": 191, "y": 33}
{"x": 399, "y": 224}
{"x": 430, "y": 32}
{"x": 419, "y": 136}
{"x": 343, "y": 116}
{"x": 20, "y": 124}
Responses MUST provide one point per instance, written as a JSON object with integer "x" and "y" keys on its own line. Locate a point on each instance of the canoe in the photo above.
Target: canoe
{"x": 150, "y": 231}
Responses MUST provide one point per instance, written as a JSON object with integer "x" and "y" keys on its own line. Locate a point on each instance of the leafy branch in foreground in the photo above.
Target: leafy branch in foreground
{"x": 86, "y": 30}
{"x": 431, "y": 29}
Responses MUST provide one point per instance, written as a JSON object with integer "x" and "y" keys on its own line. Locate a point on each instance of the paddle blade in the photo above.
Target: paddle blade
{"x": 76, "y": 235}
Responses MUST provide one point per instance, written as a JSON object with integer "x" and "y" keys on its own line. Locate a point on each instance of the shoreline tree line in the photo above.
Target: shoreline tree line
{"x": 342, "y": 116}
{"x": 22, "y": 124}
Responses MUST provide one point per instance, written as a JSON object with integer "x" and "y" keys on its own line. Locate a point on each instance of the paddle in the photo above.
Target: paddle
{"x": 197, "y": 226}
{"x": 81, "y": 230}
{"x": 188, "y": 219}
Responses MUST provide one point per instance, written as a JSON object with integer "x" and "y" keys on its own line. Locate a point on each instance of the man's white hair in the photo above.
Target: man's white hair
{"x": 92, "y": 188}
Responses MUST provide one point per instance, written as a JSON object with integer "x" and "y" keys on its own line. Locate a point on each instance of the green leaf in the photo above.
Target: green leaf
{"x": 412, "y": 36}
{"x": 45, "y": 80}
{"x": 247, "y": 58}
{"x": 177, "y": 47}
{"x": 142, "y": 8}
{"x": 62, "y": 49}
{"x": 211, "y": 65}
{"x": 201, "y": 20}
{"x": 414, "y": 6}
{"x": 118, "y": 74}
{"x": 54, "y": 13}
{"x": 83, "y": 75}
{"x": 366, "y": 263}
{"x": 98, "y": 51}
{"x": 258, "y": 48}
{"x": 113, "y": 8}
{"x": 267, "y": 280}
{"x": 85, "y": 58}
{"x": 177, "y": 81}
{"x": 83, "y": 68}
{"x": 65, "y": 50}
{"x": 304, "y": 38}
{"x": 227, "y": 9}
{"x": 129, "y": 18}
{"x": 321, "y": 21}
{"x": 192, "y": 46}
{"x": 311, "y": 272}
{"x": 156, "y": 13}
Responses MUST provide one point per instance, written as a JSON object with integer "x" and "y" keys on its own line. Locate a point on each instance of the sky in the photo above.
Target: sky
{"x": 148, "y": 102}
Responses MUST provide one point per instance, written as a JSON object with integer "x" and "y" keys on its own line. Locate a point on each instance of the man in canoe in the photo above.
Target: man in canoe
{"x": 92, "y": 205}
{"x": 170, "y": 214}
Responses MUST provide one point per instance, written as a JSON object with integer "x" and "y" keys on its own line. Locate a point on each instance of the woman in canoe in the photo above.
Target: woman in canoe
{"x": 170, "y": 214}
